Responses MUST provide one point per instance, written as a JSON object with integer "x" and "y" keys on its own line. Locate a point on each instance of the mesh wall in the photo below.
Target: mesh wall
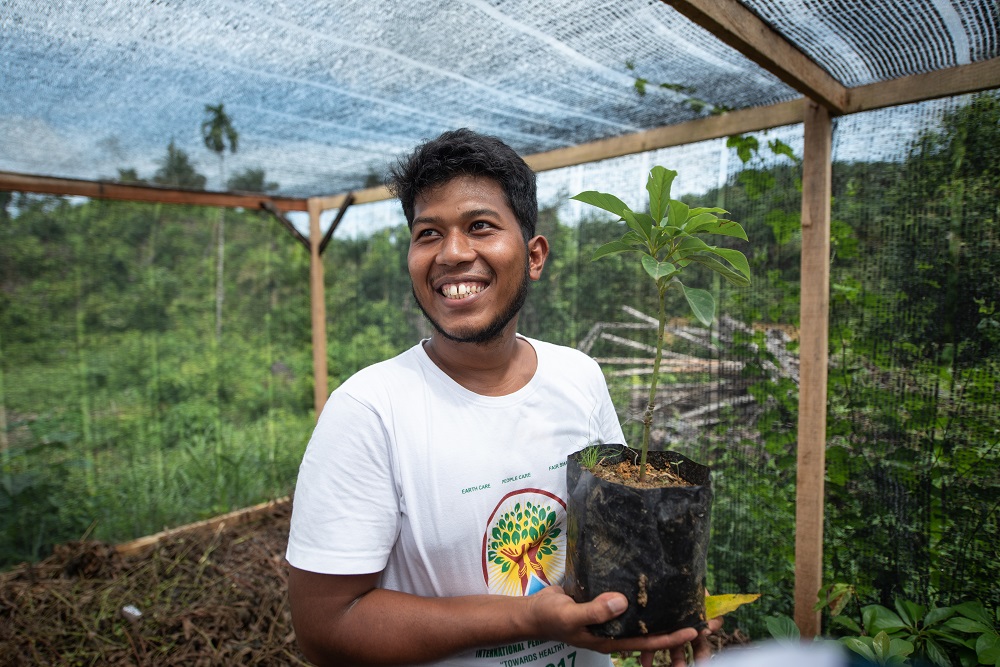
{"x": 914, "y": 422}
{"x": 128, "y": 405}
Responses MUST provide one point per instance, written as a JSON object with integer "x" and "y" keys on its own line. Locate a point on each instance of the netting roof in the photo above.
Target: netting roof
{"x": 325, "y": 95}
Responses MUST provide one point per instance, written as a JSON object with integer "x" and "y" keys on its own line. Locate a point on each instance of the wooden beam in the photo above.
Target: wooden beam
{"x": 317, "y": 300}
{"x": 984, "y": 75}
{"x": 366, "y": 196}
{"x": 732, "y": 23}
{"x": 286, "y": 223}
{"x": 144, "y": 193}
{"x": 336, "y": 221}
{"x": 712, "y": 127}
{"x": 814, "y": 321}
{"x": 234, "y": 518}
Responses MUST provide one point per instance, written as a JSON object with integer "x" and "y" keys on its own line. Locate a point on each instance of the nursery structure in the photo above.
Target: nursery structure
{"x": 856, "y": 100}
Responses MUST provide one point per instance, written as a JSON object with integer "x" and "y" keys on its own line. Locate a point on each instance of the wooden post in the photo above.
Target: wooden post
{"x": 813, "y": 356}
{"x": 318, "y": 307}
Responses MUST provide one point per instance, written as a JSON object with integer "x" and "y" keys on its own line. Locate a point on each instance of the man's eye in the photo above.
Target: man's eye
{"x": 479, "y": 225}
{"x": 424, "y": 233}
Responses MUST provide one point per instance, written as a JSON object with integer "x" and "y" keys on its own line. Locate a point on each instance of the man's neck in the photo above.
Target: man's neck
{"x": 497, "y": 368}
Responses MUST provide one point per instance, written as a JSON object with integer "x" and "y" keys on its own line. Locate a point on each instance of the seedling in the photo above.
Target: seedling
{"x": 668, "y": 240}
{"x": 594, "y": 455}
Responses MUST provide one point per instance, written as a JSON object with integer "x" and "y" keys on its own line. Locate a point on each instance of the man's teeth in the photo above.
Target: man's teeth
{"x": 461, "y": 290}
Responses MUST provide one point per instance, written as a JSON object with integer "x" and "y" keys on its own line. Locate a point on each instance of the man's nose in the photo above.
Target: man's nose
{"x": 456, "y": 249}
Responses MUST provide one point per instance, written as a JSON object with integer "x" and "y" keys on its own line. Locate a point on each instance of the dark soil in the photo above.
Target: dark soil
{"x": 215, "y": 597}
{"x": 627, "y": 473}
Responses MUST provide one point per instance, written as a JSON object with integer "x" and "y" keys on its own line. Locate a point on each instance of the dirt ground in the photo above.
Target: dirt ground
{"x": 216, "y": 596}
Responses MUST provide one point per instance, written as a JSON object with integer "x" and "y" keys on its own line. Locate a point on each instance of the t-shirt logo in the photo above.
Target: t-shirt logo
{"x": 524, "y": 546}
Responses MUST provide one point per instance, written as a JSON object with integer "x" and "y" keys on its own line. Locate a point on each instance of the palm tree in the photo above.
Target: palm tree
{"x": 218, "y": 132}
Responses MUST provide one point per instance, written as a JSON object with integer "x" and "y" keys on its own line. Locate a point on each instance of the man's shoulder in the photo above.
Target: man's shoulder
{"x": 389, "y": 374}
{"x": 564, "y": 359}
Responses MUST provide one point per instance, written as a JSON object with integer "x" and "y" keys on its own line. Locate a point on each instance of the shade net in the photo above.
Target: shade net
{"x": 130, "y": 405}
{"x": 324, "y": 94}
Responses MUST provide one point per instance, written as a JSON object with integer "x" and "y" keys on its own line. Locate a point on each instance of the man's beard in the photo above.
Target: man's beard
{"x": 494, "y": 329}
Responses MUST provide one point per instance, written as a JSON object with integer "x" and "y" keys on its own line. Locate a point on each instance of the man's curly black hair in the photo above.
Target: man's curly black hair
{"x": 466, "y": 153}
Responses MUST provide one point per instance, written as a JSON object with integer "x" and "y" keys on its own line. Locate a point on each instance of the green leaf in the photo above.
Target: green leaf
{"x": 702, "y": 303}
{"x": 881, "y": 644}
{"x": 658, "y": 186}
{"x": 696, "y": 221}
{"x": 612, "y": 248}
{"x": 988, "y": 649}
{"x": 722, "y": 227}
{"x": 603, "y": 201}
{"x": 975, "y": 611}
{"x": 691, "y": 245}
{"x": 647, "y": 223}
{"x": 678, "y": 213}
{"x": 782, "y": 627}
{"x": 846, "y": 622}
{"x": 910, "y": 612}
{"x": 657, "y": 269}
{"x": 937, "y": 615}
{"x": 963, "y": 624}
{"x": 860, "y": 647}
{"x": 936, "y": 653}
{"x": 878, "y": 618}
{"x": 779, "y": 147}
{"x": 641, "y": 227}
{"x": 736, "y": 258}
{"x": 730, "y": 275}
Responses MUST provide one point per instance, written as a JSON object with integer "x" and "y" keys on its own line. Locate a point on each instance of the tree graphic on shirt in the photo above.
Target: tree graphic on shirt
{"x": 521, "y": 540}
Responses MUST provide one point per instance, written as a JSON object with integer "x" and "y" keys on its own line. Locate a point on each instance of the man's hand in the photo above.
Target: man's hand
{"x": 560, "y": 617}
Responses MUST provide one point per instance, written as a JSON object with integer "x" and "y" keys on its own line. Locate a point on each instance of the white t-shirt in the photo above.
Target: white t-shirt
{"x": 448, "y": 492}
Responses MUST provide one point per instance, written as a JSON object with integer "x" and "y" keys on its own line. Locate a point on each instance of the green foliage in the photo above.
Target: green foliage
{"x": 177, "y": 171}
{"x": 668, "y": 239}
{"x": 963, "y": 634}
{"x": 251, "y": 180}
{"x": 217, "y": 130}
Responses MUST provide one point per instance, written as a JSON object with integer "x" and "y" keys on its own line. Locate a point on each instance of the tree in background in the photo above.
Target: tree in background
{"x": 218, "y": 133}
{"x": 129, "y": 175}
{"x": 177, "y": 171}
{"x": 251, "y": 180}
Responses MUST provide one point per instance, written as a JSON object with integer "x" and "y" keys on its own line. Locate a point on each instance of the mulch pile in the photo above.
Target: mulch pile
{"x": 210, "y": 597}
{"x": 213, "y": 596}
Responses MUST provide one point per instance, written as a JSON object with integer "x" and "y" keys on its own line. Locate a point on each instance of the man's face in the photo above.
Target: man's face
{"x": 468, "y": 261}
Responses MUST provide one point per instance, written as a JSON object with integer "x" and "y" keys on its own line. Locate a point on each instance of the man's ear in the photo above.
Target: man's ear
{"x": 538, "y": 252}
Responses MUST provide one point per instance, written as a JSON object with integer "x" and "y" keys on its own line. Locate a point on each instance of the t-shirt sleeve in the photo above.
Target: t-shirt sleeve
{"x": 610, "y": 425}
{"x": 345, "y": 512}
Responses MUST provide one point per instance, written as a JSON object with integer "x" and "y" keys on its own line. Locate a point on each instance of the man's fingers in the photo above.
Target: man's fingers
{"x": 604, "y": 607}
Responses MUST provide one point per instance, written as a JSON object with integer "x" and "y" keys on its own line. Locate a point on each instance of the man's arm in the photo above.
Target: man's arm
{"x": 346, "y": 620}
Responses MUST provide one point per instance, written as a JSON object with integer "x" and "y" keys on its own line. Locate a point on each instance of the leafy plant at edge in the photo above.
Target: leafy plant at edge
{"x": 890, "y": 637}
{"x": 668, "y": 240}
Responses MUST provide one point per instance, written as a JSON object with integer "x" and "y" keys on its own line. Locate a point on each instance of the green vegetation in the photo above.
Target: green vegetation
{"x": 909, "y": 633}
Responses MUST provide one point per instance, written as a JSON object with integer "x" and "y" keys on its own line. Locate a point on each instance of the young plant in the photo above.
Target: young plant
{"x": 594, "y": 455}
{"x": 669, "y": 239}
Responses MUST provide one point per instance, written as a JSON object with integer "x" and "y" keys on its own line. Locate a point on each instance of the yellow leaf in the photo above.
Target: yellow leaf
{"x": 720, "y": 605}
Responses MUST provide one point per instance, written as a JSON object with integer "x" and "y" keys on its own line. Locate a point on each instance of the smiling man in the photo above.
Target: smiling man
{"x": 428, "y": 524}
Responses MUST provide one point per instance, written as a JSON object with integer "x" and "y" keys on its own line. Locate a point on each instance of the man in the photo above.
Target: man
{"x": 429, "y": 516}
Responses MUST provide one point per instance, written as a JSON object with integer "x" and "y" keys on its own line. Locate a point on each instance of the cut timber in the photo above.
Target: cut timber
{"x": 317, "y": 300}
{"x": 236, "y": 517}
{"x": 737, "y": 26}
{"x": 813, "y": 359}
{"x": 144, "y": 193}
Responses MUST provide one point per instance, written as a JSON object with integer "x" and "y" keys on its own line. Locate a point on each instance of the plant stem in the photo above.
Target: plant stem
{"x": 647, "y": 418}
